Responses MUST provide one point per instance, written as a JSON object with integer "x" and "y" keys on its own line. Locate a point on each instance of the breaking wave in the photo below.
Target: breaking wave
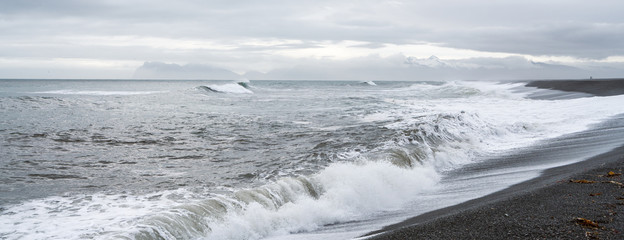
{"x": 240, "y": 87}
{"x": 368, "y": 83}
{"x": 340, "y": 193}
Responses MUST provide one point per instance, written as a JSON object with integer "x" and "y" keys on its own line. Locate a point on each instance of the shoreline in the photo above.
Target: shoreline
{"x": 549, "y": 205}
{"x": 541, "y": 208}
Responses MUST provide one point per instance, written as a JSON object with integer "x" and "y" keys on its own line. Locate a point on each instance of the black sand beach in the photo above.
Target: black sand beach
{"x": 550, "y": 207}
{"x": 598, "y": 87}
{"x": 584, "y": 200}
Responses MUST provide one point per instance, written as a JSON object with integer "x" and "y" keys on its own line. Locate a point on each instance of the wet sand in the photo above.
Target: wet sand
{"x": 552, "y": 206}
{"x": 547, "y": 207}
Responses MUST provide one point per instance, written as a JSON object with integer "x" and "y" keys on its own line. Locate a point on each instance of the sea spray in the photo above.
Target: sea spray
{"x": 348, "y": 192}
{"x": 342, "y": 192}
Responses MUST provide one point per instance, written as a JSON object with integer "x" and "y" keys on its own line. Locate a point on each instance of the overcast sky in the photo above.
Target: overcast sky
{"x": 112, "y": 38}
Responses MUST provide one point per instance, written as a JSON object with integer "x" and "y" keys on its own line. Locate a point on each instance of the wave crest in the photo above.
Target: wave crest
{"x": 342, "y": 192}
{"x": 237, "y": 88}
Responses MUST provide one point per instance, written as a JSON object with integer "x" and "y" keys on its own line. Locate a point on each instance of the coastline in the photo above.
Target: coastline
{"x": 541, "y": 208}
{"x": 548, "y": 206}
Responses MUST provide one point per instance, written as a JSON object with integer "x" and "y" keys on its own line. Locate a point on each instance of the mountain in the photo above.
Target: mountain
{"x": 159, "y": 70}
{"x": 382, "y": 68}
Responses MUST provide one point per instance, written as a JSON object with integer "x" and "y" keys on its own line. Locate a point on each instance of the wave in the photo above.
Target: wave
{"x": 342, "y": 192}
{"x": 369, "y": 83}
{"x": 460, "y": 89}
{"x": 239, "y": 88}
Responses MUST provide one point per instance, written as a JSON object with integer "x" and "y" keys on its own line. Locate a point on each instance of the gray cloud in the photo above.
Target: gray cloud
{"x": 312, "y": 20}
{"x": 599, "y": 40}
{"x": 39, "y": 28}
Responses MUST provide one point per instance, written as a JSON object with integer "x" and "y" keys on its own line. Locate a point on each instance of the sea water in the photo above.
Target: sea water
{"x": 121, "y": 159}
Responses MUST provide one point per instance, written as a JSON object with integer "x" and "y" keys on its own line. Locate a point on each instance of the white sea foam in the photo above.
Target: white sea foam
{"x": 80, "y": 216}
{"x": 502, "y": 119}
{"x": 342, "y": 192}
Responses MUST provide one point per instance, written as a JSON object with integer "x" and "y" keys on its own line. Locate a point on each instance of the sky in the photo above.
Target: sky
{"x": 319, "y": 39}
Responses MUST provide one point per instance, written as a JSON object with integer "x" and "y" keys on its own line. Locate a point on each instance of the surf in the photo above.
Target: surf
{"x": 233, "y": 88}
{"x": 284, "y": 165}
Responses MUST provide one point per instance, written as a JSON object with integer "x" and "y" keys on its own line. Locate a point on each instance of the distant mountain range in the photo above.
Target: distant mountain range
{"x": 407, "y": 68}
{"x": 159, "y": 70}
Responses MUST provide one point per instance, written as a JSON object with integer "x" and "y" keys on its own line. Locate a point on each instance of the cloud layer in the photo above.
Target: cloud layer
{"x": 113, "y": 38}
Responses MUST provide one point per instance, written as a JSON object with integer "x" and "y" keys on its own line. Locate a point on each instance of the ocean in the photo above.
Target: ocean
{"x": 139, "y": 159}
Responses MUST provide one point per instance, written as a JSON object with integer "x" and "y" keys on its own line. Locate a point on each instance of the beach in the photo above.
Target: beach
{"x": 583, "y": 200}
{"x": 549, "y": 207}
